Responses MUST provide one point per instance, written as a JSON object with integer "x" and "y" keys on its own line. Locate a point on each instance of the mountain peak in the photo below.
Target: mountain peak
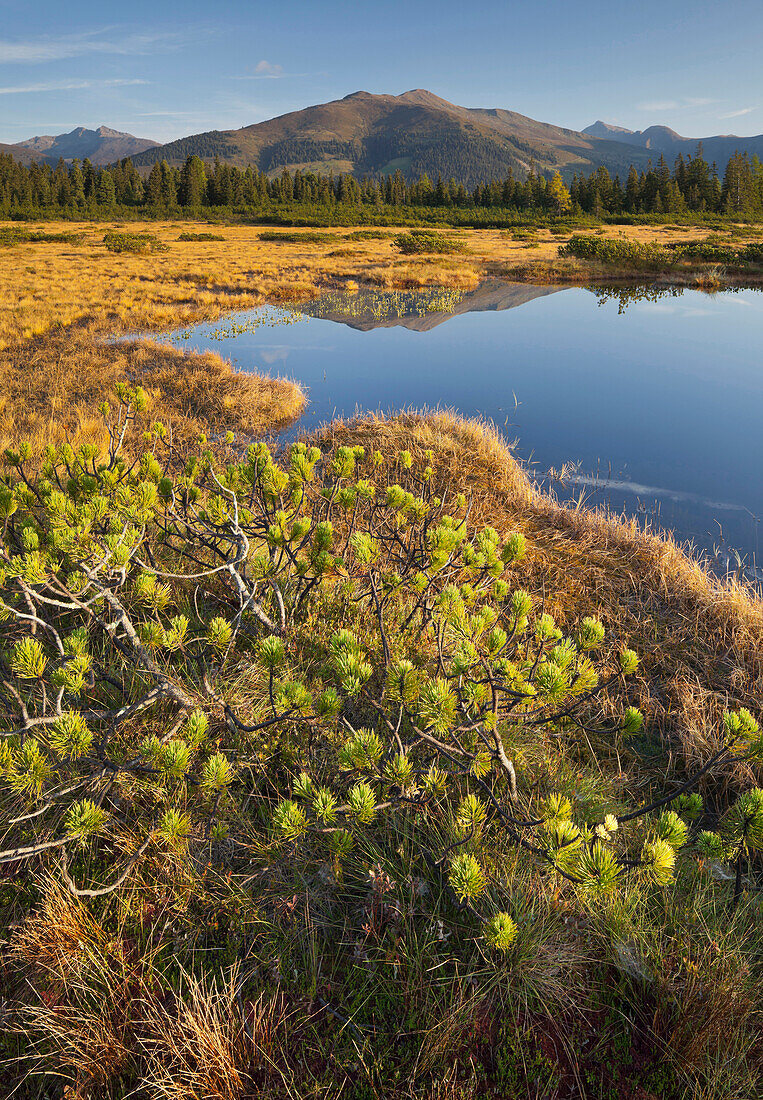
{"x": 661, "y": 132}
{"x": 418, "y": 96}
{"x": 604, "y": 129}
{"x": 424, "y": 98}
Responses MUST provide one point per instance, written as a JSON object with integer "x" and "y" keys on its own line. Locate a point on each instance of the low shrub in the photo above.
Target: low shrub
{"x": 705, "y": 251}
{"x": 424, "y": 240}
{"x": 620, "y": 252}
{"x": 372, "y": 616}
{"x": 644, "y": 255}
{"x": 133, "y": 242}
{"x": 280, "y": 237}
{"x": 201, "y": 237}
{"x": 11, "y": 235}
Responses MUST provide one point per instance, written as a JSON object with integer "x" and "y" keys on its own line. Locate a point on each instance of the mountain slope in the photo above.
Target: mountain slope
{"x": 23, "y": 156}
{"x": 661, "y": 139}
{"x": 416, "y": 132}
{"x": 102, "y": 146}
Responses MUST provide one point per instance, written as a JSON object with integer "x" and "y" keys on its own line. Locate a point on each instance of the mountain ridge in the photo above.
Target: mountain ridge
{"x": 102, "y": 146}
{"x": 417, "y": 131}
{"x": 661, "y": 139}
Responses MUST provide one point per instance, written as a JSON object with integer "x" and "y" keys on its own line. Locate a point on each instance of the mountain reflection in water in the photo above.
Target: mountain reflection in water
{"x": 420, "y": 310}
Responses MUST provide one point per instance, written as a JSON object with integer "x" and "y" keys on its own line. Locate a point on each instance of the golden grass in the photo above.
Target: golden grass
{"x": 701, "y": 638}
{"x": 45, "y": 285}
{"x": 59, "y": 303}
{"x": 99, "y": 1010}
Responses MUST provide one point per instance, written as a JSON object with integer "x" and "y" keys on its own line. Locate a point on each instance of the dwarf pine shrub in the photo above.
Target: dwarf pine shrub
{"x": 648, "y": 255}
{"x": 116, "y": 241}
{"x": 326, "y": 656}
{"x": 186, "y": 236}
{"x": 426, "y": 240}
{"x": 620, "y": 251}
{"x": 11, "y": 235}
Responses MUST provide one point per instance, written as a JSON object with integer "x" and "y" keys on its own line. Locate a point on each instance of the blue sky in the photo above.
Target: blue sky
{"x": 164, "y": 68}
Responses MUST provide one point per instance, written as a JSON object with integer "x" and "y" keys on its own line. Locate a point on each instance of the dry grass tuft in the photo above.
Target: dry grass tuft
{"x": 92, "y": 1010}
{"x": 204, "y": 1049}
{"x": 78, "y": 985}
{"x": 56, "y": 939}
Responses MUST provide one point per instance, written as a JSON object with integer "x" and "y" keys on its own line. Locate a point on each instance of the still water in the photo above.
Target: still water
{"x": 654, "y": 398}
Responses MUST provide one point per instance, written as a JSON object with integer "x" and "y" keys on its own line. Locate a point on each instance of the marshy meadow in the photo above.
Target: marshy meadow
{"x": 353, "y": 761}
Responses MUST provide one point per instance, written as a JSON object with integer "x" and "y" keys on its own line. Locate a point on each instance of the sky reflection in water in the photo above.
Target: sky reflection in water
{"x": 662, "y": 396}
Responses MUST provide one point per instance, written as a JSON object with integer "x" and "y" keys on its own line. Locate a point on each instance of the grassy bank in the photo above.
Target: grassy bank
{"x": 283, "y": 836}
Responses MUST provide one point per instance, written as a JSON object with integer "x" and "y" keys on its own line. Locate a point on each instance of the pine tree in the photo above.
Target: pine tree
{"x": 739, "y": 193}
{"x": 168, "y": 186}
{"x": 134, "y": 189}
{"x": 77, "y": 184}
{"x": 440, "y": 195}
{"x": 88, "y": 178}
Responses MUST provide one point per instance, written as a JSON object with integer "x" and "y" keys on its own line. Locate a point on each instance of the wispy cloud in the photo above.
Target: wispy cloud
{"x": 686, "y": 103}
{"x": 57, "y": 48}
{"x": 739, "y": 113}
{"x": 166, "y": 114}
{"x": 267, "y": 70}
{"x": 66, "y": 86}
{"x": 658, "y": 105}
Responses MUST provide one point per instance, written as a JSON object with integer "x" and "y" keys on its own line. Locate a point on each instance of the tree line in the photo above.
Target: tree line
{"x": 691, "y": 186}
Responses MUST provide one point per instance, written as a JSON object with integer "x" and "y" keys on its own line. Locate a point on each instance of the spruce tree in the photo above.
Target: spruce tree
{"x": 105, "y": 192}
{"x": 193, "y": 182}
{"x": 154, "y": 186}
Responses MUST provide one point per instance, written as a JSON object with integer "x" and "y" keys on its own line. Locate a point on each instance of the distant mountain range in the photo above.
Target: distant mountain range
{"x": 101, "y": 146}
{"x": 661, "y": 139}
{"x": 415, "y": 132}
